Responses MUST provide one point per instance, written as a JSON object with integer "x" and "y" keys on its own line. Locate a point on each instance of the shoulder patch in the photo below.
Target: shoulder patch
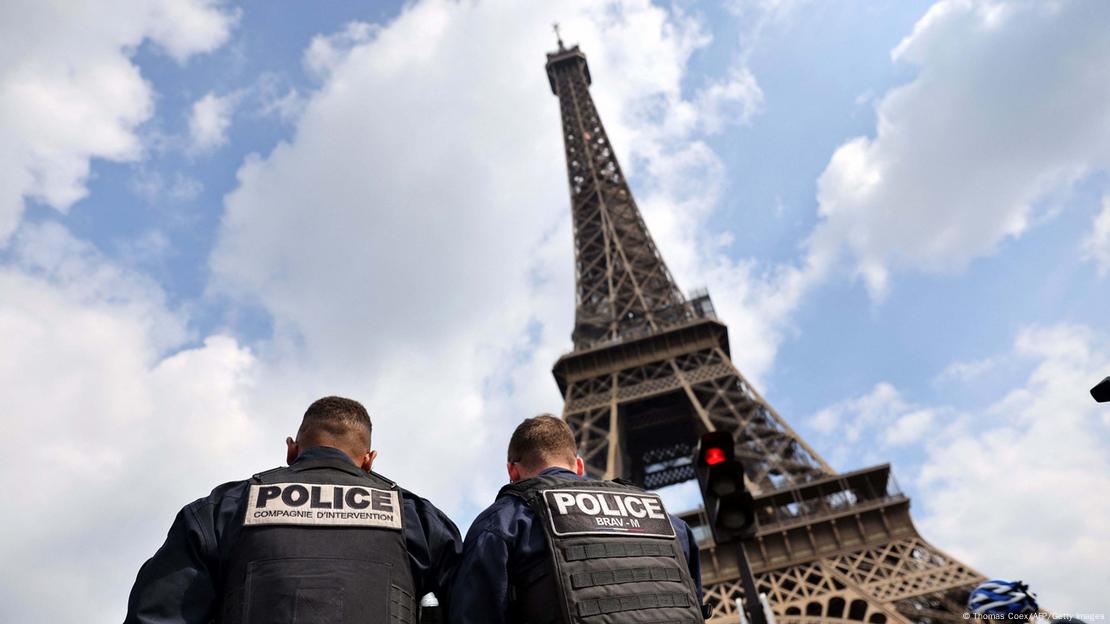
{"x": 315, "y": 504}
{"x": 605, "y": 512}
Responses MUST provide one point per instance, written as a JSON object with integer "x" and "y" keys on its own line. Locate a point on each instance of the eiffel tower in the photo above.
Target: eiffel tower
{"x": 651, "y": 371}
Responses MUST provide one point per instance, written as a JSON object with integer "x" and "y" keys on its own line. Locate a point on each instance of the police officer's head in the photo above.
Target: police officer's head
{"x": 539, "y": 443}
{"x": 336, "y": 422}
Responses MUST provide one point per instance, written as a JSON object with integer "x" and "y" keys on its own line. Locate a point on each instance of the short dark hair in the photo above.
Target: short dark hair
{"x": 543, "y": 439}
{"x": 335, "y": 418}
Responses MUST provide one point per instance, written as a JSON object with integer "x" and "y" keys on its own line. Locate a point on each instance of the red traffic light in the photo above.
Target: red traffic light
{"x": 715, "y": 447}
{"x": 714, "y": 456}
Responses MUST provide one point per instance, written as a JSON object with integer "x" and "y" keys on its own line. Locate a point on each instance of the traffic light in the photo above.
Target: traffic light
{"x": 1101, "y": 391}
{"x": 728, "y": 504}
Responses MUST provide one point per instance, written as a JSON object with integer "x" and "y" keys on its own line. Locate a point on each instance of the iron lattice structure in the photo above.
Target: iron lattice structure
{"x": 651, "y": 371}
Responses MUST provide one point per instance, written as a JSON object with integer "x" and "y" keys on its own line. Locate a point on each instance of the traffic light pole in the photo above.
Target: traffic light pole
{"x": 752, "y": 603}
{"x": 729, "y": 507}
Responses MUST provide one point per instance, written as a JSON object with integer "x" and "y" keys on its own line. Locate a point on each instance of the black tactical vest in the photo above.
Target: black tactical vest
{"x": 615, "y": 558}
{"x": 321, "y": 542}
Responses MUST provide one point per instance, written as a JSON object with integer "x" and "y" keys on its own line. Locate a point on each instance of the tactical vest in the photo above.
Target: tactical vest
{"x": 321, "y": 541}
{"x": 614, "y": 557}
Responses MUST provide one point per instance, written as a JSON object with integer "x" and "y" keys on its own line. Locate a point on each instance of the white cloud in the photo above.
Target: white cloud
{"x": 209, "y": 119}
{"x": 768, "y": 11}
{"x": 966, "y": 371}
{"x": 1096, "y": 246}
{"x": 412, "y": 244}
{"x": 882, "y": 412}
{"x": 734, "y": 100}
{"x": 412, "y": 241}
{"x": 408, "y": 282}
{"x": 286, "y": 107}
{"x": 275, "y": 97}
{"x": 150, "y": 247}
{"x": 909, "y": 428}
{"x": 756, "y": 16}
{"x": 1006, "y": 107}
{"x": 756, "y": 301}
{"x": 326, "y": 51}
{"x": 1013, "y": 488}
{"x": 113, "y": 436}
{"x": 184, "y": 27}
{"x": 155, "y": 187}
{"x": 69, "y": 92}
{"x": 1017, "y": 490}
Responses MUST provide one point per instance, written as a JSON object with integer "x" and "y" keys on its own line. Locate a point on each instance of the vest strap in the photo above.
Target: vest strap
{"x": 402, "y": 606}
{"x": 633, "y": 602}
{"x": 605, "y": 550}
{"x": 619, "y": 577}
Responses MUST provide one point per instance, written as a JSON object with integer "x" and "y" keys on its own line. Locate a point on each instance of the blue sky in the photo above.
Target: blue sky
{"x": 212, "y": 214}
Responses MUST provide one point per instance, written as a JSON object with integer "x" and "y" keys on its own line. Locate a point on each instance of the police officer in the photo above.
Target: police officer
{"x": 322, "y": 540}
{"x": 557, "y": 547}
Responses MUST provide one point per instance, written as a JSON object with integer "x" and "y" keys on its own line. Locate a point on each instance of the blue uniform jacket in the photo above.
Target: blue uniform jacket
{"x": 506, "y": 537}
{"x": 179, "y": 584}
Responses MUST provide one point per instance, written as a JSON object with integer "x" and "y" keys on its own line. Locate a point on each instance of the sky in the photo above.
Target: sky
{"x": 212, "y": 214}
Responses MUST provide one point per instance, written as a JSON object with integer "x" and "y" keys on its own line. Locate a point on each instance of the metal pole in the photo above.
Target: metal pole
{"x": 767, "y": 612}
{"x": 740, "y": 611}
{"x": 751, "y": 598}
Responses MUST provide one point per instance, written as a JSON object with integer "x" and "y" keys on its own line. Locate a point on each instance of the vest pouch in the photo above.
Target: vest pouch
{"x": 319, "y": 541}
{"x": 631, "y": 584}
{"x": 614, "y": 556}
{"x": 316, "y": 591}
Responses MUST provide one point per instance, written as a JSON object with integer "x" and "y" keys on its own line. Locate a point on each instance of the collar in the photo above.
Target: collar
{"x": 559, "y": 472}
{"x": 323, "y": 452}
